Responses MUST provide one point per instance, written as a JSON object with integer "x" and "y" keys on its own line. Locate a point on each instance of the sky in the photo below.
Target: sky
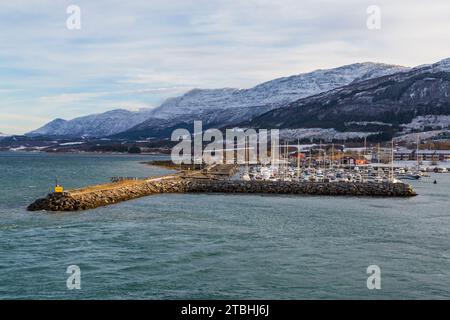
{"x": 136, "y": 53}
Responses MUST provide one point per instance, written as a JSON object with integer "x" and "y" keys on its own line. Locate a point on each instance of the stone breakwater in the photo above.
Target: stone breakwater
{"x": 96, "y": 196}
{"x": 370, "y": 189}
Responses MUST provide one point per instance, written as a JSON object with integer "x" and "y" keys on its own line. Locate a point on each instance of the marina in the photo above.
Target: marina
{"x": 289, "y": 173}
{"x": 227, "y": 179}
{"x": 368, "y": 173}
{"x": 336, "y": 163}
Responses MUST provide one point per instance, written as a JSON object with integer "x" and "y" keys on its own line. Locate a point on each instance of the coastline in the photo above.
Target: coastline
{"x": 88, "y": 153}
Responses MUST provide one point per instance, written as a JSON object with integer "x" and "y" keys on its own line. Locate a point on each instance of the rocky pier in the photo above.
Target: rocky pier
{"x": 102, "y": 195}
{"x": 368, "y": 189}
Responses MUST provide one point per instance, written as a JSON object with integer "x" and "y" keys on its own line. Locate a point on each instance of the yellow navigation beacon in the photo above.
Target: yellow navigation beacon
{"x": 58, "y": 188}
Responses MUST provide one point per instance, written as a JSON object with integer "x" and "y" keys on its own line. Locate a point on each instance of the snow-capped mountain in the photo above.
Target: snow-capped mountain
{"x": 270, "y": 94}
{"x": 443, "y": 65}
{"x": 96, "y": 125}
{"x": 50, "y": 128}
{"x": 433, "y": 122}
{"x": 384, "y": 106}
{"x": 220, "y": 107}
{"x": 3, "y": 135}
{"x": 217, "y": 106}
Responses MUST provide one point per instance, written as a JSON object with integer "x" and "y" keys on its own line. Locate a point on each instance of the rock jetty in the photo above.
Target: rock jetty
{"x": 371, "y": 189}
{"x": 96, "y": 196}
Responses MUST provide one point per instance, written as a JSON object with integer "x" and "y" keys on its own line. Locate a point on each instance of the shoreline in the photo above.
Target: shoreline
{"x": 397, "y": 164}
{"x": 86, "y": 153}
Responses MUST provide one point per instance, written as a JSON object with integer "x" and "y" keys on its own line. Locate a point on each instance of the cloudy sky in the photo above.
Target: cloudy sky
{"x": 135, "y": 53}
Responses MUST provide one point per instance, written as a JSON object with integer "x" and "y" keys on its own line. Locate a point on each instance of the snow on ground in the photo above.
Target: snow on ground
{"x": 412, "y": 137}
{"x": 71, "y": 143}
{"x": 320, "y": 133}
{"x": 365, "y": 123}
{"x": 433, "y": 121}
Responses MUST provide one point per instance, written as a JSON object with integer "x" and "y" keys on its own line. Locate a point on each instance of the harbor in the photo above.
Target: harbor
{"x": 227, "y": 179}
{"x": 293, "y": 172}
{"x": 339, "y": 163}
{"x": 319, "y": 170}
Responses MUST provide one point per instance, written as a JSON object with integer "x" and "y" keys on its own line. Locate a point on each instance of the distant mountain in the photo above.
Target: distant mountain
{"x": 272, "y": 93}
{"x": 220, "y": 107}
{"x": 364, "y": 99}
{"x": 215, "y": 107}
{"x": 381, "y": 106}
{"x": 96, "y": 125}
{"x": 51, "y": 128}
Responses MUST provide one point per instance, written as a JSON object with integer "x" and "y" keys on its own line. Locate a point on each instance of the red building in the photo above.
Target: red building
{"x": 298, "y": 155}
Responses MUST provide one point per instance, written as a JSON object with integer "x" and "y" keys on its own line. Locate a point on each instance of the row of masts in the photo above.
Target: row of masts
{"x": 322, "y": 161}
{"x": 285, "y": 147}
{"x": 322, "y": 153}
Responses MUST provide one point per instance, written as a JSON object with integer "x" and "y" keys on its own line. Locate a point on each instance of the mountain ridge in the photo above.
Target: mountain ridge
{"x": 229, "y": 106}
{"x": 386, "y": 105}
{"x": 97, "y": 125}
{"x": 219, "y": 107}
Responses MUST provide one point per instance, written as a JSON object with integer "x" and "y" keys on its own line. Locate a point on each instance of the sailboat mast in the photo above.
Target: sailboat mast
{"x": 287, "y": 160}
{"x": 417, "y": 150}
{"x": 246, "y": 153}
{"x": 310, "y": 156}
{"x": 378, "y": 159}
{"x": 365, "y": 147}
{"x": 285, "y": 163}
{"x": 392, "y": 160}
{"x": 298, "y": 158}
{"x": 320, "y": 154}
{"x": 332, "y": 156}
{"x": 378, "y": 153}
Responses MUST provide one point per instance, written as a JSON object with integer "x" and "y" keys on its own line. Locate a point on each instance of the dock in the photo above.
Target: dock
{"x": 224, "y": 170}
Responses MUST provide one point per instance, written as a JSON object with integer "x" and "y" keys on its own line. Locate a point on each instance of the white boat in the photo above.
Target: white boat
{"x": 245, "y": 176}
{"x": 319, "y": 175}
{"x": 378, "y": 179}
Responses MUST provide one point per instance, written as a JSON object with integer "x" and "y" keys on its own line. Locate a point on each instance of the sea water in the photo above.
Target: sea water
{"x": 215, "y": 246}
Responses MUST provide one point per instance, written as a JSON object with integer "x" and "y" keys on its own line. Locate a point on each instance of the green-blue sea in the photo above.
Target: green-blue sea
{"x": 213, "y": 246}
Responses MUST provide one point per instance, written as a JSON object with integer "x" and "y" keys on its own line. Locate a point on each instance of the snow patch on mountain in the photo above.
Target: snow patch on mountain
{"x": 366, "y": 123}
{"x": 376, "y": 70}
{"x": 412, "y": 137}
{"x": 443, "y": 65}
{"x": 428, "y": 121}
{"x": 50, "y": 128}
{"x": 271, "y": 94}
{"x": 320, "y": 133}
